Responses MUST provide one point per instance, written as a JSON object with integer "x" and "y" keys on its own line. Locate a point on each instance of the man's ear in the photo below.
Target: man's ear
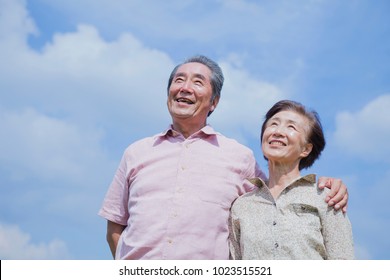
{"x": 214, "y": 104}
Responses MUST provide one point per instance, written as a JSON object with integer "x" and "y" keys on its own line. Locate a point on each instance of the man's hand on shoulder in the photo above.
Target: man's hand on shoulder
{"x": 338, "y": 195}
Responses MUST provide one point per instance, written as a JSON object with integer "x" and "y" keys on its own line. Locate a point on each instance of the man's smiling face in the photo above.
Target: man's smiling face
{"x": 189, "y": 95}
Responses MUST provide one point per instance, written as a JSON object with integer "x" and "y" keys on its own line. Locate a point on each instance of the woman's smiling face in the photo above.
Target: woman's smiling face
{"x": 285, "y": 137}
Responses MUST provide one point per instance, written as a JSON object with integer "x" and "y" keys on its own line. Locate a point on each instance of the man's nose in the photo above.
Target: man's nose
{"x": 186, "y": 87}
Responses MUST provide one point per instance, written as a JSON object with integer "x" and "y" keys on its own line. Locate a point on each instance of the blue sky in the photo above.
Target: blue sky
{"x": 81, "y": 80}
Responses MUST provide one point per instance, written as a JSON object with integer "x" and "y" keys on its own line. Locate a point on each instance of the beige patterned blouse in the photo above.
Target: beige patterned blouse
{"x": 297, "y": 225}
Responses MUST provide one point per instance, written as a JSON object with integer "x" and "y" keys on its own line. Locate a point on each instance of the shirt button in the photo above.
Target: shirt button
{"x": 276, "y": 245}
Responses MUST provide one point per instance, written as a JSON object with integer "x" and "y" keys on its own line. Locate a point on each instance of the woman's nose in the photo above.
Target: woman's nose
{"x": 278, "y": 130}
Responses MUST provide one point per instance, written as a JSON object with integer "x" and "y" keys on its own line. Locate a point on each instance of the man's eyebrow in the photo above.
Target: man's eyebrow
{"x": 199, "y": 76}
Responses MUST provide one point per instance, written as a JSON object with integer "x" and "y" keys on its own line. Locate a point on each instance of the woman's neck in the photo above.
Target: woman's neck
{"x": 281, "y": 175}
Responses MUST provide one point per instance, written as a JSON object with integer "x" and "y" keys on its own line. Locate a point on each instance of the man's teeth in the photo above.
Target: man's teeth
{"x": 184, "y": 100}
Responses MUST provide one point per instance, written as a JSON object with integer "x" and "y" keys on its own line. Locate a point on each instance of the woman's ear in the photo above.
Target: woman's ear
{"x": 307, "y": 148}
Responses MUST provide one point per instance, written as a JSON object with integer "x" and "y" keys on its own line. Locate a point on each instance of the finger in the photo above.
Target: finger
{"x": 343, "y": 203}
{"x": 340, "y": 198}
{"x": 334, "y": 195}
{"x": 323, "y": 182}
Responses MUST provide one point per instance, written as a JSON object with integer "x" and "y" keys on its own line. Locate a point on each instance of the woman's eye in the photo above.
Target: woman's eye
{"x": 292, "y": 127}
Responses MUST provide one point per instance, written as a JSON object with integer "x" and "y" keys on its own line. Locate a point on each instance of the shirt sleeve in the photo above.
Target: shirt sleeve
{"x": 115, "y": 203}
{"x": 337, "y": 234}
{"x": 234, "y": 237}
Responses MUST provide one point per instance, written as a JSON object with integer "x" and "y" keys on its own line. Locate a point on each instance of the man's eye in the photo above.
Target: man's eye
{"x": 198, "y": 83}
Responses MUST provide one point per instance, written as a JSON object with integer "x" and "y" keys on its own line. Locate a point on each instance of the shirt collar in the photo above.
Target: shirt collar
{"x": 208, "y": 130}
{"x": 304, "y": 180}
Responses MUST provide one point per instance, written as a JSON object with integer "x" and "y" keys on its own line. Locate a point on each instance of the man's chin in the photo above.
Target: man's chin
{"x": 182, "y": 114}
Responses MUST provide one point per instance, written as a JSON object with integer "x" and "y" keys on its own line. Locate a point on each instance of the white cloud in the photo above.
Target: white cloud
{"x": 272, "y": 21}
{"x": 49, "y": 147}
{"x": 80, "y": 74}
{"x": 15, "y": 23}
{"x": 16, "y": 244}
{"x": 366, "y": 133}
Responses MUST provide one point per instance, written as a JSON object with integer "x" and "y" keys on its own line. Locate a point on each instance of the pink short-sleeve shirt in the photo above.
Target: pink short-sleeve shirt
{"x": 174, "y": 195}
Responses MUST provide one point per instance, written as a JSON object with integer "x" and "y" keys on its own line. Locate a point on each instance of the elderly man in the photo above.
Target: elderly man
{"x": 171, "y": 195}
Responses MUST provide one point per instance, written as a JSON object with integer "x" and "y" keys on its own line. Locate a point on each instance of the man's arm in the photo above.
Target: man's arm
{"x": 114, "y": 231}
{"x": 338, "y": 195}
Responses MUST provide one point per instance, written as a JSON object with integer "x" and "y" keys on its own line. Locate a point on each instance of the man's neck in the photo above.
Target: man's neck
{"x": 187, "y": 129}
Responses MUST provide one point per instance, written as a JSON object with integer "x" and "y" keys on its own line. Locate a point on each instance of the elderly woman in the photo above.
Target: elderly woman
{"x": 287, "y": 218}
